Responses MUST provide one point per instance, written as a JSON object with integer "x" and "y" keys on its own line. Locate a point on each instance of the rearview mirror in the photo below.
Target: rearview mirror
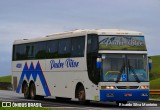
{"x": 149, "y": 63}
{"x": 99, "y": 63}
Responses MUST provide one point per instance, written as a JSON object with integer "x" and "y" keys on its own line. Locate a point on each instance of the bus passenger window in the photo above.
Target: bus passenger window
{"x": 29, "y": 51}
{"x": 78, "y": 46}
{"x": 40, "y": 50}
{"x": 64, "y": 48}
{"x": 52, "y": 49}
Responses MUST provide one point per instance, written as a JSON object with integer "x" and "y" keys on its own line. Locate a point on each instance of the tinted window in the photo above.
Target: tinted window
{"x": 23, "y": 52}
{"x": 64, "y": 50}
{"x": 29, "y": 51}
{"x": 78, "y": 46}
{"x": 52, "y": 49}
{"x": 19, "y": 52}
{"x": 92, "y": 54}
{"x": 92, "y": 44}
{"x": 40, "y": 50}
{"x": 13, "y": 53}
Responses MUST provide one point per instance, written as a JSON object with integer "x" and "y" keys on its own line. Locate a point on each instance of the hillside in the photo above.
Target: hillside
{"x": 5, "y": 79}
{"x": 155, "y": 84}
{"x": 155, "y": 72}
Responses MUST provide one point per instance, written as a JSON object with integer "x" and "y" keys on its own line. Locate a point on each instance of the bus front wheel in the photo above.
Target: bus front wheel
{"x": 82, "y": 96}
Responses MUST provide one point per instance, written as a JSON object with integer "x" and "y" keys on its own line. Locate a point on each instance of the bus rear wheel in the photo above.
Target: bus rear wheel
{"x": 26, "y": 91}
{"x": 32, "y": 91}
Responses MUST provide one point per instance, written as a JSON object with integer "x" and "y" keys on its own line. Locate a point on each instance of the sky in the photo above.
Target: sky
{"x": 24, "y": 19}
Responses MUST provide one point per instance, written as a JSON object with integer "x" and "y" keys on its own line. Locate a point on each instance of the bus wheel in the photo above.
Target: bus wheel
{"x": 82, "y": 96}
{"x": 26, "y": 91}
{"x": 32, "y": 91}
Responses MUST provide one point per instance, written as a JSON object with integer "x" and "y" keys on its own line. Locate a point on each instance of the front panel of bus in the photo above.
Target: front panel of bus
{"x": 118, "y": 65}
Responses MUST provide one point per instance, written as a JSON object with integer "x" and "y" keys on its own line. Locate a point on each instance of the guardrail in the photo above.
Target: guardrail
{"x": 5, "y": 86}
{"x": 155, "y": 92}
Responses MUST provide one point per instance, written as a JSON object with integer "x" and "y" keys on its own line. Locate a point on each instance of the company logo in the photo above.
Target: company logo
{"x": 6, "y": 104}
{"x": 34, "y": 72}
{"x": 69, "y": 63}
{"x": 19, "y": 65}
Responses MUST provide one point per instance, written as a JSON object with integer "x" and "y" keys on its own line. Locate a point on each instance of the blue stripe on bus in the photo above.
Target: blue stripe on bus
{"x": 34, "y": 72}
{"x": 119, "y": 95}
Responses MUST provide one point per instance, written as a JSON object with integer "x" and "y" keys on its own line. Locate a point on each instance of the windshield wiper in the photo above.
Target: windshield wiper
{"x": 121, "y": 71}
{"x": 133, "y": 71}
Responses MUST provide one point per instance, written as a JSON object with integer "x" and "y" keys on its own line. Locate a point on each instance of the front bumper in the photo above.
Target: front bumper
{"x": 124, "y": 95}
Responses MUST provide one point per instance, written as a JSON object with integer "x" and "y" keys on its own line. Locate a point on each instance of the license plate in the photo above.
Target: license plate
{"x": 127, "y": 95}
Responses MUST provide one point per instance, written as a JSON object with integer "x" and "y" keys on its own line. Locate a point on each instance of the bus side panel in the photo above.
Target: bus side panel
{"x": 62, "y": 80}
{"x": 29, "y": 71}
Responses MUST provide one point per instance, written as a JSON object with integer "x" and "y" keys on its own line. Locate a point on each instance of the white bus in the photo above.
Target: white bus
{"x": 88, "y": 65}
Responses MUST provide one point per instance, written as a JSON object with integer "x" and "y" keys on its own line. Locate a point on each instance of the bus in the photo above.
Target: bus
{"x": 84, "y": 65}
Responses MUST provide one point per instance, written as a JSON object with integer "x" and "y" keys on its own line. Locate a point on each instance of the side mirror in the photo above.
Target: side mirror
{"x": 150, "y": 63}
{"x": 99, "y": 63}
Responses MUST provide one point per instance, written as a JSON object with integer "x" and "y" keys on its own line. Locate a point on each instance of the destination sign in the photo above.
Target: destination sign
{"x": 136, "y": 43}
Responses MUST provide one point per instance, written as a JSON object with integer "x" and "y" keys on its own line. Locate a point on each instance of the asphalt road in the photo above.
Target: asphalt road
{"x": 11, "y": 96}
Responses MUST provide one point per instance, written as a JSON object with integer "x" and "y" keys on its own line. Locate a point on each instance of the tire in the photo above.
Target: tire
{"x": 32, "y": 91}
{"x": 26, "y": 91}
{"x": 82, "y": 96}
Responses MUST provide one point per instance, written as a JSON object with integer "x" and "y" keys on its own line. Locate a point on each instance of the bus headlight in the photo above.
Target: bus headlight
{"x": 144, "y": 87}
{"x": 110, "y": 87}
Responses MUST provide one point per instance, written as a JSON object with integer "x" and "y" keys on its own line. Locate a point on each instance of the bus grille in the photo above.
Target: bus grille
{"x": 127, "y": 87}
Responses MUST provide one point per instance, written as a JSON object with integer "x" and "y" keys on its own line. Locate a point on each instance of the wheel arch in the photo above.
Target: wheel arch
{"x": 78, "y": 85}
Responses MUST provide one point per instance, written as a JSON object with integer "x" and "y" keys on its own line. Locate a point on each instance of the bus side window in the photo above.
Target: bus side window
{"x": 19, "y": 52}
{"x": 40, "y": 50}
{"x": 52, "y": 49}
{"x": 13, "y": 53}
{"x": 29, "y": 51}
{"x": 78, "y": 46}
{"x": 64, "y": 48}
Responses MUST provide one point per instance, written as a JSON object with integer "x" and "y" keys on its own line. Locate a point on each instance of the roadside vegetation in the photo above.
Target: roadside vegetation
{"x": 155, "y": 73}
{"x": 5, "y": 79}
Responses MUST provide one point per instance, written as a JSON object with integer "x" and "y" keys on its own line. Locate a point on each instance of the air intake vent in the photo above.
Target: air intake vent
{"x": 127, "y": 87}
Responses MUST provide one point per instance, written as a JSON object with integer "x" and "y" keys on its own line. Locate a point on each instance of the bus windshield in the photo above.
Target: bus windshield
{"x": 123, "y": 67}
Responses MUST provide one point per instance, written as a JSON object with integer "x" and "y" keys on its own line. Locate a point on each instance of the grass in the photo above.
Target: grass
{"x": 5, "y": 79}
{"x": 24, "y": 108}
{"x": 155, "y": 97}
{"x": 155, "y": 72}
{"x": 155, "y": 84}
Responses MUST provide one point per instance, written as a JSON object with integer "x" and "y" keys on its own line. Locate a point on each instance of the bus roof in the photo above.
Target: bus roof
{"x": 80, "y": 32}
